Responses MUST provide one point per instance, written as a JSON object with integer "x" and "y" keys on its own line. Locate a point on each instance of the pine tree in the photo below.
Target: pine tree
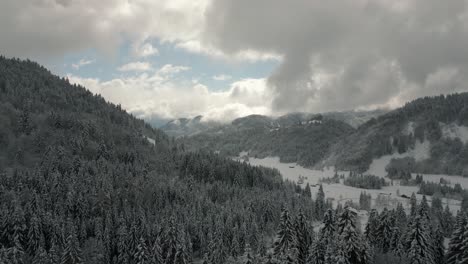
{"x": 414, "y": 204}
{"x": 329, "y": 224}
{"x": 41, "y": 257}
{"x": 395, "y": 242}
{"x": 16, "y": 253}
{"x": 384, "y": 231}
{"x": 71, "y": 253}
{"x": 171, "y": 241}
{"x": 447, "y": 222}
{"x": 285, "y": 235}
{"x": 141, "y": 255}
{"x": 122, "y": 249}
{"x": 35, "y": 235}
{"x": 419, "y": 243}
{"x": 453, "y": 255}
{"x": 217, "y": 251}
{"x": 303, "y": 239}
{"x": 350, "y": 242}
{"x": 423, "y": 209}
{"x": 320, "y": 205}
{"x": 371, "y": 227}
{"x": 464, "y": 248}
{"x": 401, "y": 218}
{"x": 156, "y": 252}
{"x": 54, "y": 254}
{"x": 439, "y": 247}
{"x": 307, "y": 191}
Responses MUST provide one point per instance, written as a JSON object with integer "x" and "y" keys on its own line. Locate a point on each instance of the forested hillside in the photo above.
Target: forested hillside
{"x": 422, "y": 120}
{"x": 304, "y": 142}
{"x": 82, "y": 181}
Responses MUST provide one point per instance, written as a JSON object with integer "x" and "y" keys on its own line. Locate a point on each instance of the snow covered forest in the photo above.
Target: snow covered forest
{"x": 82, "y": 181}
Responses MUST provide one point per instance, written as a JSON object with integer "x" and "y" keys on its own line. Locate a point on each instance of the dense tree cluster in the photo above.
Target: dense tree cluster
{"x": 364, "y": 181}
{"x": 391, "y": 236}
{"x": 444, "y": 190}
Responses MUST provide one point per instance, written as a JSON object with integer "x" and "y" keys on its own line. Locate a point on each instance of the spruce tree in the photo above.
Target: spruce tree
{"x": 454, "y": 252}
{"x": 439, "y": 247}
{"x": 350, "y": 245}
{"x": 303, "y": 239}
{"x": 35, "y": 235}
{"x": 371, "y": 227}
{"x": 413, "y": 204}
{"x": 419, "y": 243}
{"x": 141, "y": 255}
{"x": 400, "y": 217}
{"x": 307, "y": 191}
{"x": 285, "y": 236}
{"x": 384, "y": 231}
{"x": 320, "y": 203}
{"x": 72, "y": 252}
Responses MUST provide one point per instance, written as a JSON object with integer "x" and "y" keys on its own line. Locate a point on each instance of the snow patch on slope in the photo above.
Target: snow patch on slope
{"x": 420, "y": 152}
{"x": 150, "y": 140}
{"x": 453, "y": 131}
{"x": 409, "y": 129}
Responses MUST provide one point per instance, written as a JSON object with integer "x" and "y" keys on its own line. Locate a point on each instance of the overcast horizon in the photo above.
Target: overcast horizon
{"x": 226, "y": 59}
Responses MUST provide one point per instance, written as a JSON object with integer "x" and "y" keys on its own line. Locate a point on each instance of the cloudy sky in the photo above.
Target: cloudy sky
{"x": 230, "y": 58}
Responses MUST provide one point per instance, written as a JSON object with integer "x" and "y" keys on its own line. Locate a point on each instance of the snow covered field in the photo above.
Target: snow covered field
{"x": 340, "y": 193}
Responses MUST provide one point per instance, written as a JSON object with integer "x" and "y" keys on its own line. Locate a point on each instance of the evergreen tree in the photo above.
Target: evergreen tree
{"x": 181, "y": 256}
{"x": 122, "y": 250}
{"x": 285, "y": 236}
{"x": 35, "y": 235}
{"x": 419, "y": 243}
{"x": 320, "y": 205}
{"x": 16, "y": 254}
{"x": 156, "y": 252}
{"x": 307, "y": 191}
{"x": 141, "y": 255}
{"x": 413, "y": 204}
{"x": 72, "y": 252}
{"x": 447, "y": 222}
{"x": 439, "y": 247}
{"x": 372, "y": 227}
{"x": 464, "y": 248}
{"x": 423, "y": 209}
{"x": 384, "y": 231}
{"x": 455, "y": 249}
{"x": 303, "y": 239}
{"x": 396, "y": 245}
{"x": 350, "y": 246}
{"x": 400, "y": 217}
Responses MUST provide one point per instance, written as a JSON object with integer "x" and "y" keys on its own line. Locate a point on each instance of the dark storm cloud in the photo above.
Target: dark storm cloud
{"x": 348, "y": 54}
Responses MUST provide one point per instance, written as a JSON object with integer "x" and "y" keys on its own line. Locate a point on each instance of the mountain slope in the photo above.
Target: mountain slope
{"x": 438, "y": 122}
{"x": 191, "y": 126}
{"x": 305, "y": 142}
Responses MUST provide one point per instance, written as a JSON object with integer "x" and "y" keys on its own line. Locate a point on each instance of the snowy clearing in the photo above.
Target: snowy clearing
{"x": 340, "y": 193}
{"x": 150, "y": 140}
{"x": 420, "y": 152}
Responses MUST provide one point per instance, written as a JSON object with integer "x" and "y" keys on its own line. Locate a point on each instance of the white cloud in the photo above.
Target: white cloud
{"x": 170, "y": 69}
{"x": 136, "y": 66}
{"x": 147, "y": 95}
{"x": 145, "y": 50}
{"x": 222, "y": 77}
{"x": 81, "y": 63}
